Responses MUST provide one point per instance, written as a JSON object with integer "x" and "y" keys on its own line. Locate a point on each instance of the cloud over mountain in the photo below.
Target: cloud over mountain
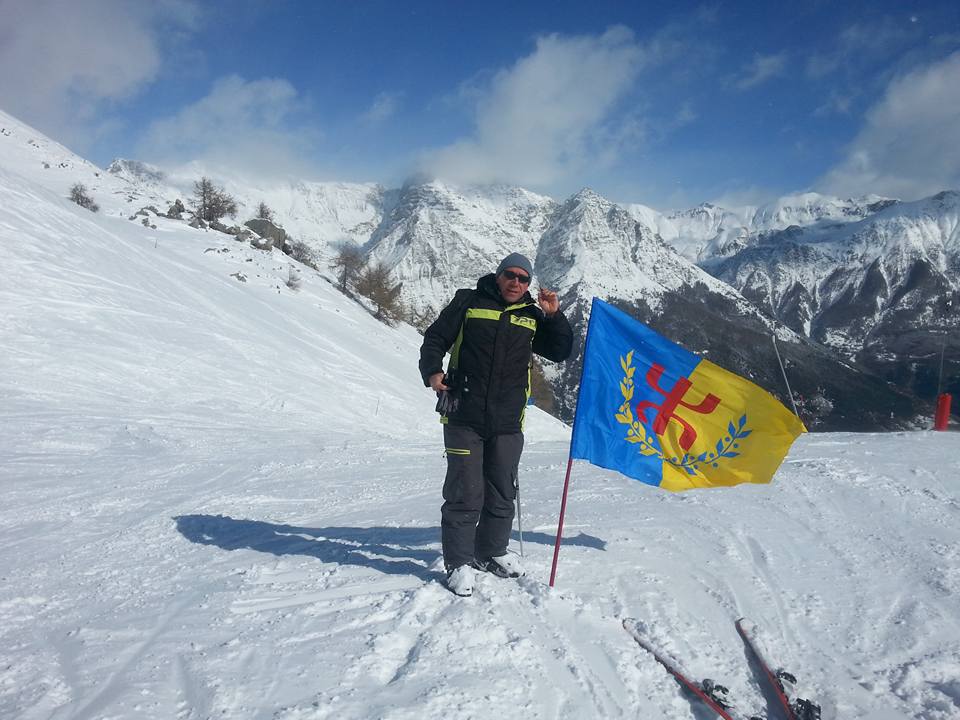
{"x": 548, "y": 115}
{"x": 62, "y": 62}
{"x": 248, "y": 126}
{"x": 909, "y": 146}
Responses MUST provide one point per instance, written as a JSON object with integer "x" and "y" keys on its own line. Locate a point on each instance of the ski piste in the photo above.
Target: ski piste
{"x": 798, "y": 708}
{"x": 707, "y": 691}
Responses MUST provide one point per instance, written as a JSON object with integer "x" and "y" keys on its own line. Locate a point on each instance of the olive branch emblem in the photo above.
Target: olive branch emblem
{"x": 638, "y": 433}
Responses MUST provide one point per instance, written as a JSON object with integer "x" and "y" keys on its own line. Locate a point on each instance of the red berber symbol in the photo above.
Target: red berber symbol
{"x": 667, "y": 410}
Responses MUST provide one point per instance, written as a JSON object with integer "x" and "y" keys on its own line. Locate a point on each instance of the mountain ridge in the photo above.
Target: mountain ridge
{"x": 438, "y": 237}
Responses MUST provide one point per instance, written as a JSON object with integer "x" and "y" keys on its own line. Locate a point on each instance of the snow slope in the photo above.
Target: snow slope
{"x": 221, "y": 499}
{"x": 323, "y": 214}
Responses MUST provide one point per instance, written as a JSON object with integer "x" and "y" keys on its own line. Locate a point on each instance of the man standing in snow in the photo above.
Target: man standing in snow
{"x": 491, "y": 333}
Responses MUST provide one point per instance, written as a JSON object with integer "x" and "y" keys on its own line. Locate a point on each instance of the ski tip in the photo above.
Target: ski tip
{"x": 634, "y": 625}
{"x": 638, "y": 629}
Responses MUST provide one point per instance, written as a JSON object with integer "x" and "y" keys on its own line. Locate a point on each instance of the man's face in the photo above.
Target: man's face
{"x": 509, "y": 282}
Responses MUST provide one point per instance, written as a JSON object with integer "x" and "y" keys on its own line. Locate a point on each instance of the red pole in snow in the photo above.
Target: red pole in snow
{"x": 566, "y": 480}
{"x": 942, "y": 417}
{"x": 563, "y": 509}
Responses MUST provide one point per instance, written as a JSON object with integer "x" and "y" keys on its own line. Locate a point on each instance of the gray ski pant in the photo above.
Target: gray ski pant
{"x": 478, "y": 492}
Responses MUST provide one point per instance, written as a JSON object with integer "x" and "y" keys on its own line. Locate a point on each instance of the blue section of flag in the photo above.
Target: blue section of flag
{"x": 597, "y": 435}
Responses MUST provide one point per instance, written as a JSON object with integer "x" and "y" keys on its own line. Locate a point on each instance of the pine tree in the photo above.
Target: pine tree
{"x": 375, "y": 283}
{"x": 210, "y": 202}
{"x": 351, "y": 263}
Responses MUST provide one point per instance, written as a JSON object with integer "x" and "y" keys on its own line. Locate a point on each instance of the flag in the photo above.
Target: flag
{"x": 658, "y": 413}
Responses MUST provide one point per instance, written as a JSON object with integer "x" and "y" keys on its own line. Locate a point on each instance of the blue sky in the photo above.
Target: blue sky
{"x": 667, "y": 104}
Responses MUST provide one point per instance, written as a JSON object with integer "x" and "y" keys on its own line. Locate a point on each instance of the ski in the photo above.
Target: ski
{"x": 798, "y": 708}
{"x": 708, "y": 692}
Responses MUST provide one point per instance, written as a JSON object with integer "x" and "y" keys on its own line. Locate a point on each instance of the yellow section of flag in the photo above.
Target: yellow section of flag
{"x": 744, "y": 439}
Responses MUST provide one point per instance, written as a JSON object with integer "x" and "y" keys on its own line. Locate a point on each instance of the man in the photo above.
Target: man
{"x": 491, "y": 333}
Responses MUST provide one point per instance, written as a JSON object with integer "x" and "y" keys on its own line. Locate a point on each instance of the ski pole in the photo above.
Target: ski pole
{"x": 519, "y": 516}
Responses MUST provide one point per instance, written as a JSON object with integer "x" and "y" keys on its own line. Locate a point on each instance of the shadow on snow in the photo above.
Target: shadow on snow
{"x": 391, "y": 550}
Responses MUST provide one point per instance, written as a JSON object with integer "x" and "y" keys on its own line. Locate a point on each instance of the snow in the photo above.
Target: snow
{"x": 221, "y": 499}
{"x": 707, "y": 233}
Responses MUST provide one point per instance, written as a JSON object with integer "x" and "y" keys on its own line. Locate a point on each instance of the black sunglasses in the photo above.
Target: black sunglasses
{"x": 511, "y": 275}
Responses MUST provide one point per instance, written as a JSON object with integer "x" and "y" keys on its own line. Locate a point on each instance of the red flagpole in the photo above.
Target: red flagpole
{"x": 563, "y": 509}
{"x": 566, "y": 481}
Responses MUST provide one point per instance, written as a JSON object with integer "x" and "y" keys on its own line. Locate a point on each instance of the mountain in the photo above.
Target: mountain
{"x": 39, "y": 159}
{"x": 322, "y": 214}
{"x": 698, "y": 233}
{"x": 595, "y": 248}
{"x": 872, "y": 278}
{"x": 436, "y": 238}
{"x": 883, "y": 291}
{"x": 221, "y": 498}
{"x": 136, "y": 172}
{"x": 708, "y": 232}
{"x": 439, "y": 238}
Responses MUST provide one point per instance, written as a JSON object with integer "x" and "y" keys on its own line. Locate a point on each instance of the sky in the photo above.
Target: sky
{"x": 662, "y": 103}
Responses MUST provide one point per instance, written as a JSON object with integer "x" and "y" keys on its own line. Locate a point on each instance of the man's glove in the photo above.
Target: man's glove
{"x": 448, "y": 402}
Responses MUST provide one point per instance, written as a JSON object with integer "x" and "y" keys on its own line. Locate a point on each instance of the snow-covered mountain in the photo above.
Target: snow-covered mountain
{"x": 36, "y": 157}
{"x": 806, "y": 209}
{"x": 437, "y": 238}
{"x": 880, "y": 290}
{"x": 698, "y": 233}
{"x": 596, "y": 248}
{"x": 322, "y": 214}
{"x": 709, "y": 233}
{"x": 221, "y": 499}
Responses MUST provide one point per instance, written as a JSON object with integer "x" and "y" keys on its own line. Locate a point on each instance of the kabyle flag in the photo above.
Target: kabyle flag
{"x": 656, "y": 412}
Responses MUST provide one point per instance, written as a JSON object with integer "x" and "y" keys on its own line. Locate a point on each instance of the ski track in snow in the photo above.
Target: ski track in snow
{"x": 221, "y": 499}
{"x": 273, "y": 593}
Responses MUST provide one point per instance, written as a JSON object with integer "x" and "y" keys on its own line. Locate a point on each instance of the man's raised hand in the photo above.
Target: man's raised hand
{"x": 549, "y": 302}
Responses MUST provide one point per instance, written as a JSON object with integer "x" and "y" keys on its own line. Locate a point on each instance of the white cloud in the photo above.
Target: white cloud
{"x": 909, "y": 146}
{"x": 61, "y": 61}
{"x": 243, "y": 126}
{"x": 761, "y": 69}
{"x": 548, "y": 116}
{"x": 743, "y": 197}
{"x": 838, "y": 103}
{"x": 858, "y": 44}
{"x": 384, "y": 106}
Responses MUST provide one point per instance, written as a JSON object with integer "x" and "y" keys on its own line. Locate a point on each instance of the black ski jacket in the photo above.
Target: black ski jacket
{"x": 491, "y": 346}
